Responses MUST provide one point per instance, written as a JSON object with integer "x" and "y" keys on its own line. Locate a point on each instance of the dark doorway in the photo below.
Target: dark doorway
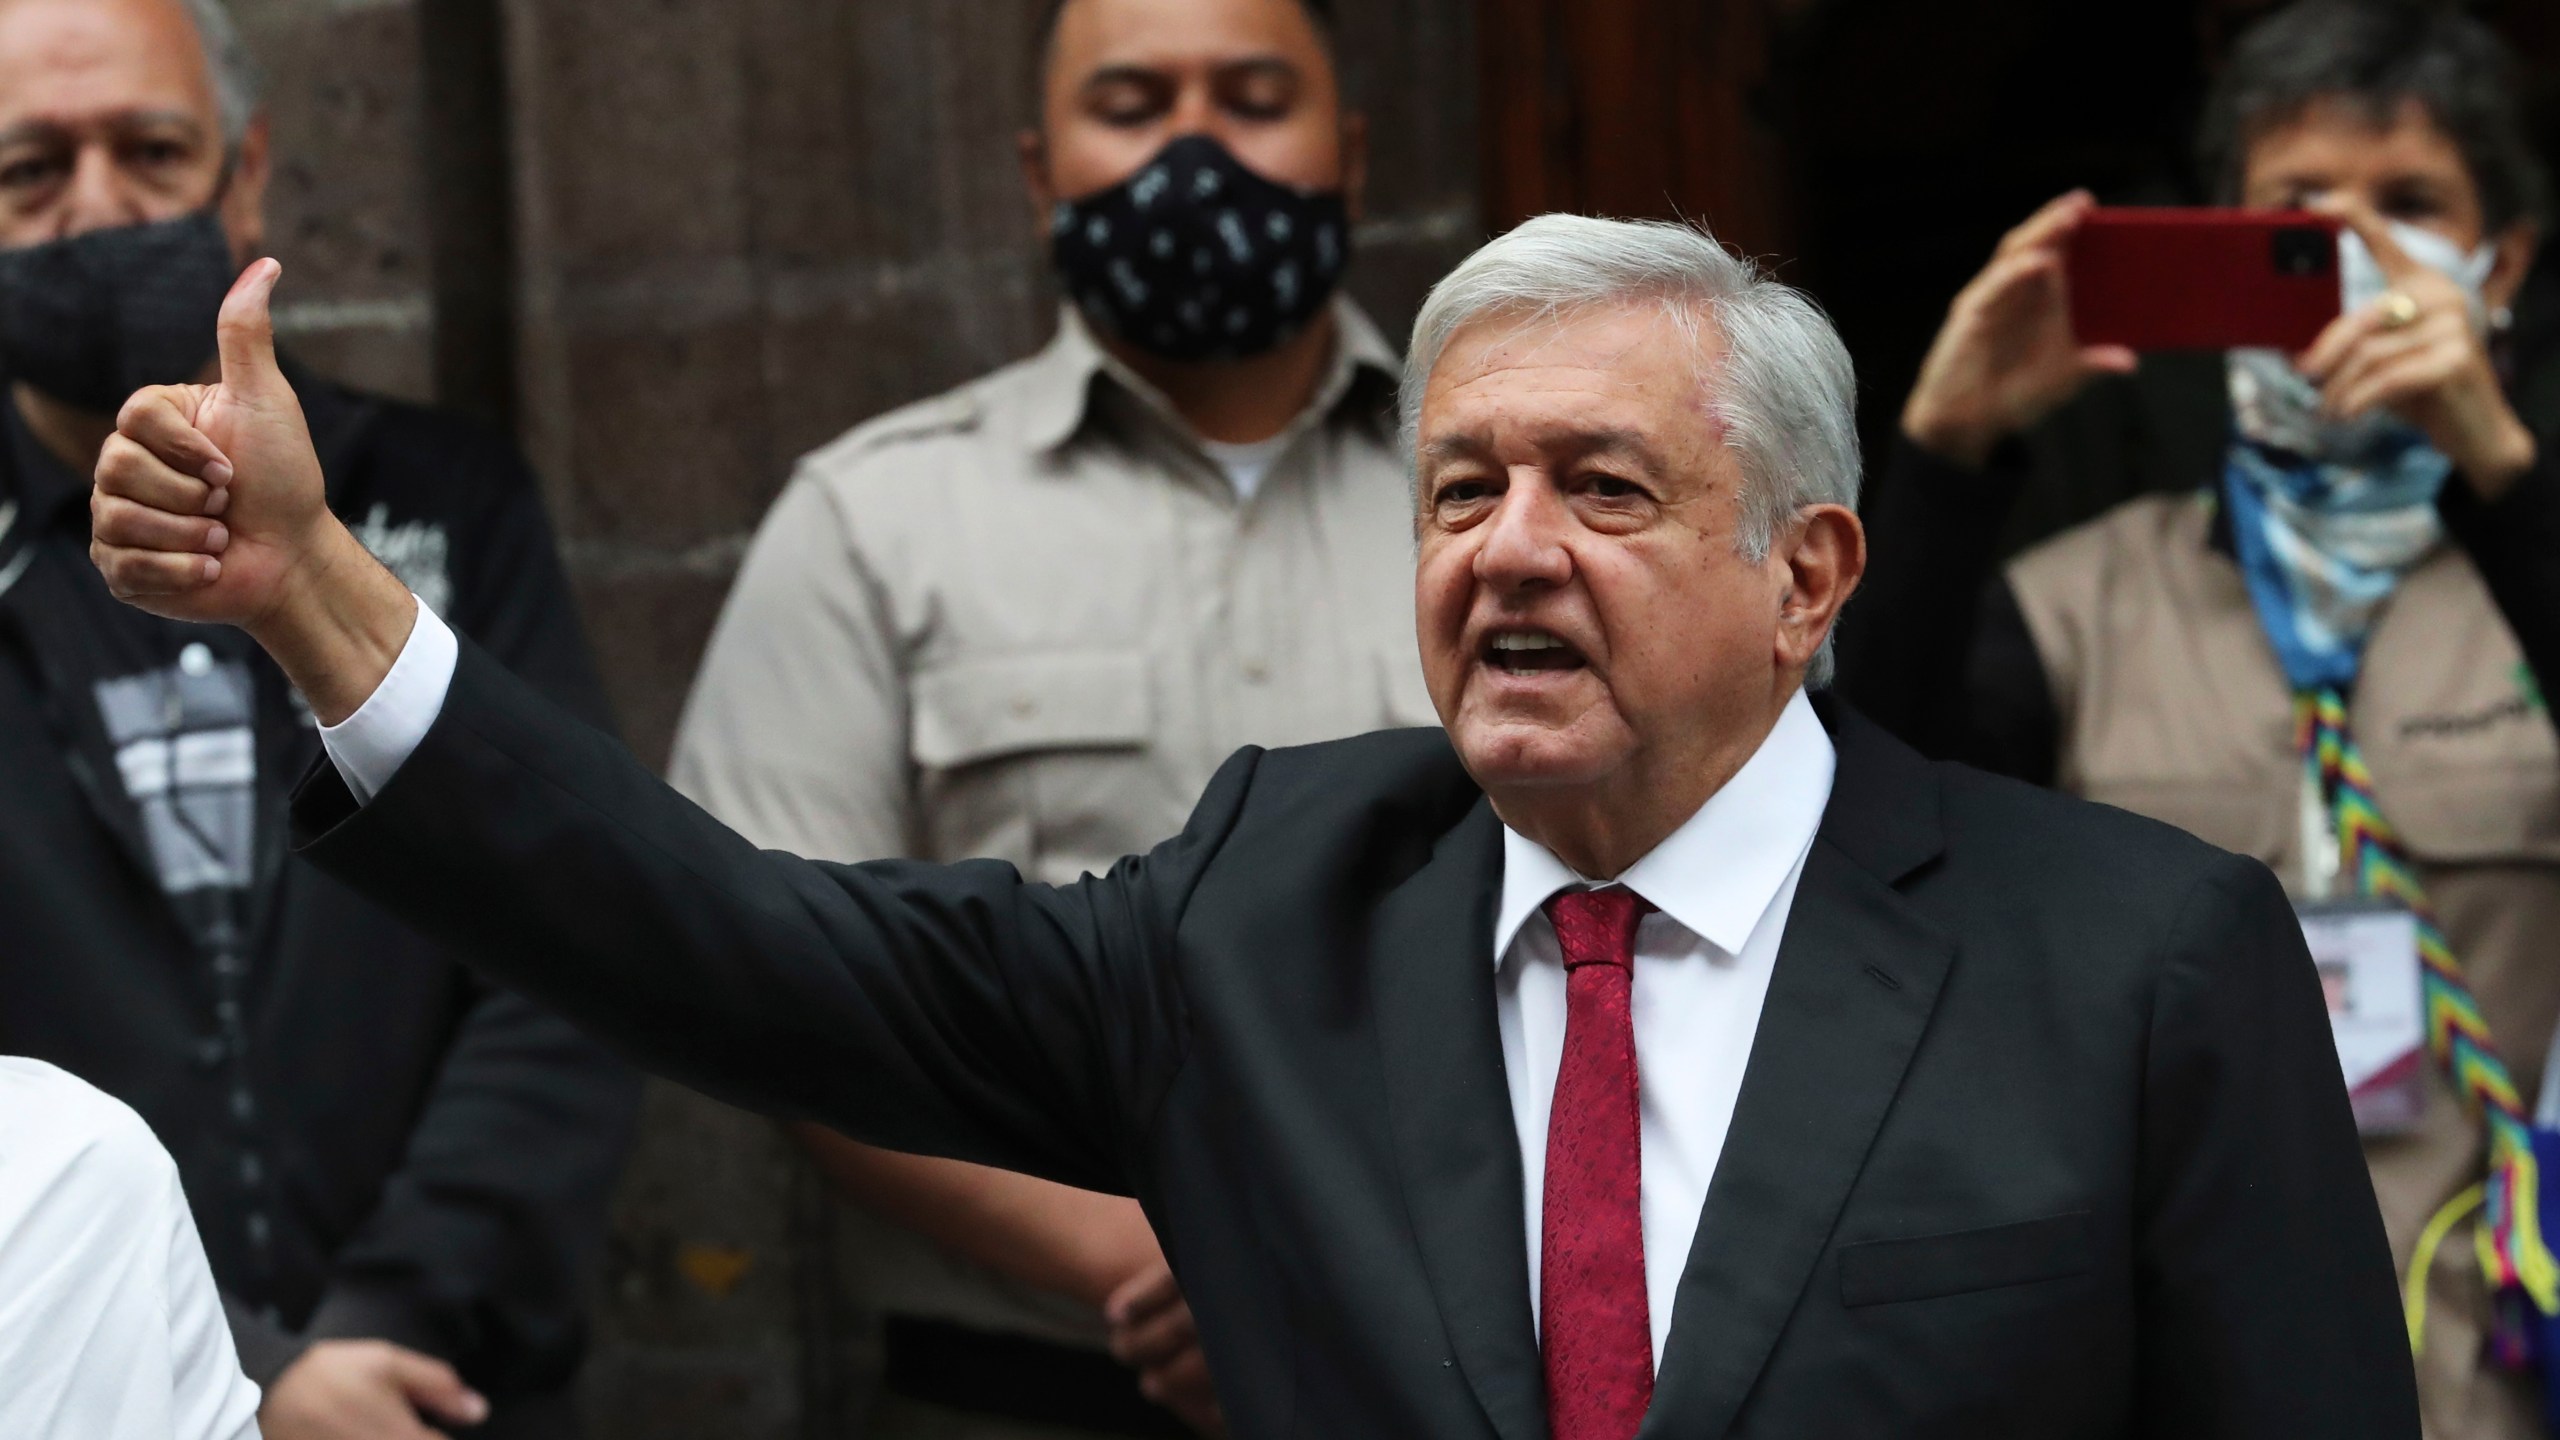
{"x": 1875, "y": 150}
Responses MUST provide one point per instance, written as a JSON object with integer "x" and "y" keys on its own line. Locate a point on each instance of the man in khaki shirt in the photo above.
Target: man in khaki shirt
{"x": 1027, "y": 619}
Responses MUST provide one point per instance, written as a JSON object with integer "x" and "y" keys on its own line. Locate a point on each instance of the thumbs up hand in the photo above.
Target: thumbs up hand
{"x": 210, "y": 506}
{"x": 209, "y": 496}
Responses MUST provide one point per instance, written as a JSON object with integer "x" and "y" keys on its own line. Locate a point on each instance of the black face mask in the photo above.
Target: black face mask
{"x": 90, "y": 319}
{"x": 1196, "y": 257}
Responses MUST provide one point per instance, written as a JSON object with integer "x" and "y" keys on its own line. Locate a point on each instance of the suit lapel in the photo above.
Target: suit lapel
{"x": 1450, "y": 1109}
{"x": 1857, "y": 977}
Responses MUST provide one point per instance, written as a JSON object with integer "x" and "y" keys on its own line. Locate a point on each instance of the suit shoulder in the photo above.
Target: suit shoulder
{"x": 2065, "y": 843}
{"x": 1397, "y": 779}
{"x": 1396, "y": 756}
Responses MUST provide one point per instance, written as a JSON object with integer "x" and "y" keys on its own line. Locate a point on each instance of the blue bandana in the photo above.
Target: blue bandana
{"x": 2326, "y": 518}
{"x": 2328, "y": 514}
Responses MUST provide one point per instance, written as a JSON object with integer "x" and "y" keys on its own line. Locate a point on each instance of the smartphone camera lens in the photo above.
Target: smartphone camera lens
{"x": 2305, "y": 251}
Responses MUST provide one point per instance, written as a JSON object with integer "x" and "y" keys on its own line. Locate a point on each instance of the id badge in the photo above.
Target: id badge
{"x": 2367, "y": 955}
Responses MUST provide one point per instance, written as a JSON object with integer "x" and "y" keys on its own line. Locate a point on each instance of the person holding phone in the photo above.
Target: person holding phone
{"x": 2326, "y": 650}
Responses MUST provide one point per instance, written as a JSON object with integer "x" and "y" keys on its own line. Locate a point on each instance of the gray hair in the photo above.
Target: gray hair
{"x": 1782, "y": 389}
{"x": 2375, "y": 56}
{"x": 235, "y": 75}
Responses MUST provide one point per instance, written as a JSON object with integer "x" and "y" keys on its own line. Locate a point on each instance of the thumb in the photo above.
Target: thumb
{"x": 2110, "y": 359}
{"x": 433, "y": 1387}
{"x": 247, "y": 333}
{"x": 2369, "y": 226}
{"x": 1142, "y": 1295}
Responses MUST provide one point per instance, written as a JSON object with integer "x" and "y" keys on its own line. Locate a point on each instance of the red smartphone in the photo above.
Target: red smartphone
{"x": 2169, "y": 279}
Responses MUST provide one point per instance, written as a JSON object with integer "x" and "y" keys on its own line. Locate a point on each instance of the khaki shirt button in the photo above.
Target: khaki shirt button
{"x": 1025, "y": 706}
{"x": 1256, "y": 671}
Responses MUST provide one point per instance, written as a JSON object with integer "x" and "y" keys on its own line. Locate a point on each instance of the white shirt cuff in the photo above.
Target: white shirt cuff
{"x": 370, "y": 746}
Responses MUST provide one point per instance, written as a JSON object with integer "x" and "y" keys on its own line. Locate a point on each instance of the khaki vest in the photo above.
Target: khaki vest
{"x": 2172, "y": 705}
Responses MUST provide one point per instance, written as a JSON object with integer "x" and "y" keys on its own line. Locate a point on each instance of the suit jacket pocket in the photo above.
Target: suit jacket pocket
{"x": 1880, "y": 1272}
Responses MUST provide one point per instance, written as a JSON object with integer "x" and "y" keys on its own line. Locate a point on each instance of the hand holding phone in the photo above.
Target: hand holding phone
{"x": 2421, "y": 353}
{"x": 2170, "y": 279}
{"x": 2006, "y": 356}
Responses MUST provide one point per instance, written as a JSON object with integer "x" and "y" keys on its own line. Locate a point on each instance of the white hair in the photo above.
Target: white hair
{"x": 1781, "y": 387}
{"x": 235, "y": 75}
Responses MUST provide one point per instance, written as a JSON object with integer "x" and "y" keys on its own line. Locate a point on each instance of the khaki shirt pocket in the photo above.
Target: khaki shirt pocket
{"x": 2456, "y": 808}
{"x": 2505, "y": 815}
{"x": 1039, "y": 760}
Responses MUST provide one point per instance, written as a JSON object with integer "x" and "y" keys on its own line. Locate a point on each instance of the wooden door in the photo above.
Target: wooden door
{"x": 1634, "y": 108}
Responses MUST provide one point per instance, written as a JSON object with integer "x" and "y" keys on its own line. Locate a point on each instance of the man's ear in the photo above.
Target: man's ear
{"x": 1031, "y": 150}
{"x": 1355, "y": 163}
{"x": 243, "y": 207}
{"x": 2516, "y": 247}
{"x": 1826, "y": 557}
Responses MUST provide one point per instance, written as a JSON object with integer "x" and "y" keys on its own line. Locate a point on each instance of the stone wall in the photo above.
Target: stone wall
{"x": 347, "y": 209}
{"x": 674, "y": 244}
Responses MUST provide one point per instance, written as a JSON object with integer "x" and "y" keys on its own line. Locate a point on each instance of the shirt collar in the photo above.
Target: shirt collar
{"x": 1719, "y": 872}
{"x": 1061, "y": 394}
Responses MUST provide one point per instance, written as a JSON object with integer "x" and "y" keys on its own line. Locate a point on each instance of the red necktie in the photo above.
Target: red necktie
{"x": 1595, "y": 1330}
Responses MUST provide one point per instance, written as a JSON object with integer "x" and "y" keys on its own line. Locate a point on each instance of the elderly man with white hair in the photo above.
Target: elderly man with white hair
{"x": 1651, "y": 1049}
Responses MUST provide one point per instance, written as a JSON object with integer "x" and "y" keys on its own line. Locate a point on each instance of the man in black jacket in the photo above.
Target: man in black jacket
{"x": 396, "y": 1167}
{"x": 1654, "y": 1052}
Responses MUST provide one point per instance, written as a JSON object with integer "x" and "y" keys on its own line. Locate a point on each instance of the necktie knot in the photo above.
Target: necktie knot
{"x": 1598, "y": 927}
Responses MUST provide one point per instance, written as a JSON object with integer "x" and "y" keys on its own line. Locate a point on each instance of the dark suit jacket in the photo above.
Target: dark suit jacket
{"x": 2042, "y": 1134}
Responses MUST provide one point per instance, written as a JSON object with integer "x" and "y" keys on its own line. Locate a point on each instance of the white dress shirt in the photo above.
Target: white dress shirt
{"x": 110, "y": 1326}
{"x": 1722, "y": 886}
{"x": 370, "y": 746}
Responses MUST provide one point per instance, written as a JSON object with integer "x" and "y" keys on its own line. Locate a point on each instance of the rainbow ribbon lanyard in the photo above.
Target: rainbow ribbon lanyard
{"x": 2509, "y": 1242}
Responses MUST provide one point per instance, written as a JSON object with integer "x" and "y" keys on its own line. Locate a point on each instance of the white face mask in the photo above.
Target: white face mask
{"x": 2360, "y": 278}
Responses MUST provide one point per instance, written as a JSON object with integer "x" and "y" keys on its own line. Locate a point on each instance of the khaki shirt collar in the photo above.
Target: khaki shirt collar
{"x": 1063, "y": 377}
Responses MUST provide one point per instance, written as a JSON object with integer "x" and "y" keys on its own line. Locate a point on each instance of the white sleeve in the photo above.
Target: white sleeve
{"x": 209, "y": 1398}
{"x": 110, "y": 1325}
{"x": 370, "y": 746}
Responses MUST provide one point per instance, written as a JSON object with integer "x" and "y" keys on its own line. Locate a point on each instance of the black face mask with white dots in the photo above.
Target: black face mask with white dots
{"x": 1196, "y": 257}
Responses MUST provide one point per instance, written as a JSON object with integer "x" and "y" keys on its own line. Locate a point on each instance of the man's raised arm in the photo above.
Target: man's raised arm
{"x": 953, "y": 1011}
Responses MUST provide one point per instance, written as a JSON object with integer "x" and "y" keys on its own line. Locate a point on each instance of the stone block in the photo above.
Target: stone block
{"x": 346, "y": 210}
{"x": 669, "y": 419}
{"x": 649, "y": 614}
{"x": 638, "y": 147}
{"x": 695, "y": 1332}
{"x": 853, "y": 344}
